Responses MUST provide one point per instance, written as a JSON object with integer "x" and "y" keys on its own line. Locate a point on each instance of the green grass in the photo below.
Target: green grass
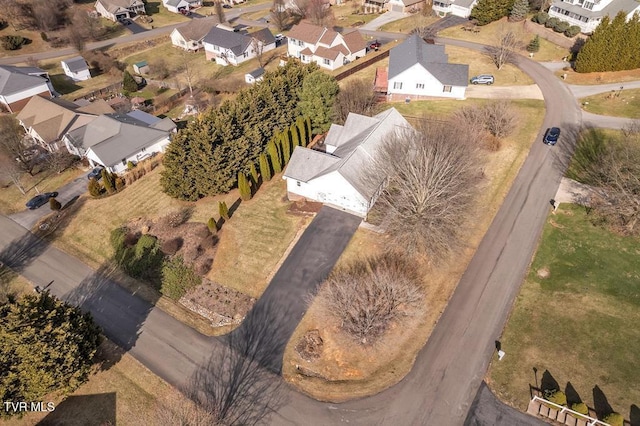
{"x": 579, "y": 323}
{"x": 625, "y": 105}
{"x": 254, "y": 240}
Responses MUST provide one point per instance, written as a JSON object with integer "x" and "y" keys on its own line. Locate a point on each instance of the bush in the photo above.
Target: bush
{"x": 43, "y": 36}
{"x": 580, "y": 407}
{"x": 556, "y": 396}
{"x": 54, "y": 204}
{"x": 212, "y": 225}
{"x": 534, "y": 44}
{"x": 130, "y": 165}
{"x": 177, "y": 278}
{"x": 13, "y": 42}
{"x": 552, "y": 22}
{"x": 223, "y": 210}
{"x": 176, "y": 218}
{"x": 540, "y": 18}
{"x": 614, "y": 419}
{"x": 95, "y": 189}
{"x": 572, "y": 31}
{"x": 561, "y": 27}
{"x": 172, "y": 246}
{"x": 119, "y": 184}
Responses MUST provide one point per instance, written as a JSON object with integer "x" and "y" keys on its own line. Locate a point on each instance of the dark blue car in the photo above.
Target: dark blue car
{"x": 40, "y": 200}
{"x": 95, "y": 173}
{"x": 552, "y": 136}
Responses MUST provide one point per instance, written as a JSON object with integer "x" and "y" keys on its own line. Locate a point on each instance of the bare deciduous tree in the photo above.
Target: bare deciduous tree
{"x": 76, "y": 38}
{"x": 368, "y": 295}
{"x": 12, "y": 143}
{"x": 356, "y": 96}
{"x": 504, "y": 51}
{"x": 219, "y": 10}
{"x": 431, "y": 178}
{"x": 472, "y": 117}
{"x": 279, "y": 15}
{"x": 425, "y": 32}
{"x": 258, "y": 48}
{"x": 9, "y": 170}
{"x": 319, "y": 13}
{"x": 499, "y": 118}
{"x": 179, "y": 410}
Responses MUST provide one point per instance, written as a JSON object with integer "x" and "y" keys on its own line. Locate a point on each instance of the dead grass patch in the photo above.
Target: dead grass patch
{"x": 599, "y": 77}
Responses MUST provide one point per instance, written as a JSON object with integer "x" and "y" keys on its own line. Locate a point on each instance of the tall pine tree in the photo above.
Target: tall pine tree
{"x": 254, "y": 174}
{"x": 265, "y": 168}
{"x": 519, "y": 10}
{"x": 244, "y": 187}
{"x": 487, "y": 11}
{"x": 274, "y": 156}
{"x": 318, "y": 94}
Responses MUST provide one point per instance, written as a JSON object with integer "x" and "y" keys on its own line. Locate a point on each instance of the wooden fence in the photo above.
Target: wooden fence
{"x": 362, "y": 65}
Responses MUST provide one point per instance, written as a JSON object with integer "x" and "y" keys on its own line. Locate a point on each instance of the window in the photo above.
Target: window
{"x": 216, "y": 48}
{"x": 326, "y": 61}
{"x": 300, "y": 43}
{"x": 588, "y": 5}
{"x": 397, "y": 85}
{"x": 298, "y": 183}
{"x": 420, "y": 86}
{"x": 446, "y": 89}
{"x": 124, "y": 161}
{"x": 144, "y": 149}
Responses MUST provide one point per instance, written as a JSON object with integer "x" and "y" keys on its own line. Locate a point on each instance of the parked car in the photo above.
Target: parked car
{"x": 482, "y": 79}
{"x": 226, "y": 6}
{"x": 40, "y": 200}
{"x": 95, "y": 173}
{"x": 375, "y": 45}
{"x": 279, "y": 37}
{"x": 551, "y": 136}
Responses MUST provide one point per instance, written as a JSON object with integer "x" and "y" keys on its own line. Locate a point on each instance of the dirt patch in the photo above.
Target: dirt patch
{"x": 222, "y": 305}
{"x": 543, "y": 273}
{"x": 304, "y": 208}
{"x": 310, "y": 346}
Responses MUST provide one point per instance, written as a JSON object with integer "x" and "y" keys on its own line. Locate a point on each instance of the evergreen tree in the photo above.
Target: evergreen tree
{"x": 295, "y": 137}
{"x": 308, "y": 130}
{"x": 45, "y": 346}
{"x": 487, "y": 11}
{"x": 108, "y": 181}
{"x": 244, "y": 187}
{"x": 254, "y": 174}
{"x": 95, "y": 189}
{"x": 265, "y": 168}
{"x": 274, "y": 156}
{"x": 519, "y": 10}
{"x": 534, "y": 44}
{"x": 129, "y": 83}
{"x": 317, "y": 97}
{"x": 54, "y": 204}
{"x": 594, "y": 54}
{"x": 212, "y": 225}
{"x": 223, "y": 210}
{"x": 302, "y": 131}
{"x": 285, "y": 145}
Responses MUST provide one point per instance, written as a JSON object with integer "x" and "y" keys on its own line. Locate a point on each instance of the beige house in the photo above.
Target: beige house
{"x": 117, "y": 10}
{"x": 190, "y": 36}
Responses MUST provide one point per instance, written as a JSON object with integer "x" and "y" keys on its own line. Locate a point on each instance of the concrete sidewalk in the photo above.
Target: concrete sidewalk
{"x": 573, "y": 192}
{"x": 383, "y": 19}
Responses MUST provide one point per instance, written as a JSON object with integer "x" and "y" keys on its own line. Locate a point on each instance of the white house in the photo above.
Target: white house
{"x": 227, "y": 47}
{"x": 337, "y": 176}
{"x": 19, "y": 84}
{"x": 588, "y": 14}
{"x": 418, "y": 70}
{"x": 326, "y": 47}
{"x": 76, "y": 68}
{"x": 407, "y": 6}
{"x": 112, "y": 140}
{"x": 117, "y": 10}
{"x": 254, "y": 76}
{"x": 190, "y": 36}
{"x": 181, "y": 6}
{"x": 461, "y": 8}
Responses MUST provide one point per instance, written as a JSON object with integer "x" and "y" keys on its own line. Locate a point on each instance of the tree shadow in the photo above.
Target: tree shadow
{"x": 600, "y": 403}
{"x": 572, "y": 395}
{"x": 634, "y": 415}
{"x": 239, "y": 381}
{"x": 234, "y": 207}
{"x": 548, "y": 383}
{"x": 98, "y": 409}
{"x": 564, "y": 149}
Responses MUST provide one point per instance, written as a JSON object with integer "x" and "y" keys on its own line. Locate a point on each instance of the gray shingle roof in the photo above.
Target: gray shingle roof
{"x": 257, "y": 72}
{"x": 196, "y": 29}
{"x": 76, "y": 64}
{"x": 432, "y": 58}
{"x": 233, "y": 41}
{"x": 16, "y": 79}
{"x": 611, "y": 9}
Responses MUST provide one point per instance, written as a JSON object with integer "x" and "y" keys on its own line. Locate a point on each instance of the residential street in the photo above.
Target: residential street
{"x": 448, "y": 372}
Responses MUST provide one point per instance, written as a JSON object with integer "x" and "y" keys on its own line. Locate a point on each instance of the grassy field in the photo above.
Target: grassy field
{"x": 358, "y": 371}
{"x": 12, "y": 200}
{"x": 160, "y": 15}
{"x": 405, "y": 25}
{"x": 489, "y": 34}
{"x": 123, "y": 393}
{"x": 576, "y": 316}
{"x": 344, "y": 16}
{"x": 255, "y": 239}
{"x": 599, "y": 77}
{"x": 625, "y": 105}
{"x": 479, "y": 63}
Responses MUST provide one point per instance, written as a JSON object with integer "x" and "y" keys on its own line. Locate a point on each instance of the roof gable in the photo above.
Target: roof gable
{"x": 197, "y": 29}
{"x": 306, "y": 32}
{"x": 233, "y": 41}
{"x": 16, "y": 79}
{"x": 76, "y": 64}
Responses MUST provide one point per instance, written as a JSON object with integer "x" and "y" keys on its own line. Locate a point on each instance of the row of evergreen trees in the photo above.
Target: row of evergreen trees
{"x": 613, "y": 46}
{"x": 206, "y": 157}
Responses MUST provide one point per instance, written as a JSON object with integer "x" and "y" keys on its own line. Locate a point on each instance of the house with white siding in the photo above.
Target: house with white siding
{"x": 19, "y": 84}
{"x": 461, "y": 8}
{"x": 76, "y": 68}
{"x": 118, "y": 10}
{"x": 191, "y": 36}
{"x": 337, "y": 176}
{"x": 228, "y": 47}
{"x": 181, "y": 6}
{"x": 588, "y": 14}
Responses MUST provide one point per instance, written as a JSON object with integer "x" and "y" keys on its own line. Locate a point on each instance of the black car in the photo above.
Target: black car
{"x": 226, "y": 6}
{"x": 551, "y": 136}
{"x": 40, "y": 200}
{"x": 95, "y": 173}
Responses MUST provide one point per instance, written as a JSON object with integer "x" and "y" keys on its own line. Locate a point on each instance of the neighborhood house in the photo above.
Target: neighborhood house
{"x": 118, "y": 10}
{"x": 228, "y": 47}
{"x": 112, "y": 140}
{"x": 254, "y": 76}
{"x": 76, "y": 68}
{"x": 588, "y": 14}
{"x": 326, "y": 47}
{"x": 338, "y": 176}
{"x": 190, "y": 36}
{"x": 461, "y": 8}
{"x": 418, "y": 70}
{"x": 181, "y": 6}
{"x": 19, "y": 84}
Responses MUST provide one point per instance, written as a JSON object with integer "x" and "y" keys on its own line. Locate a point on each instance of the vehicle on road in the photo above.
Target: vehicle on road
{"x": 375, "y": 45}
{"x": 95, "y": 173}
{"x": 226, "y": 6}
{"x": 551, "y": 136}
{"x": 279, "y": 37}
{"x": 482, "y": 79}
{"x": 40, "y": 200}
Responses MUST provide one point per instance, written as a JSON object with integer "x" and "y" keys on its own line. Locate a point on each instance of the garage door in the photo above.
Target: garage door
{"x": 396, "y": 8}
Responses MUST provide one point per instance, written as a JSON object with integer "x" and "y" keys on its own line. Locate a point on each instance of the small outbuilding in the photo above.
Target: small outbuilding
{"x": 76, "y": 68}
{"x": 141, "y": 67}
{"x": 254, "y": 76}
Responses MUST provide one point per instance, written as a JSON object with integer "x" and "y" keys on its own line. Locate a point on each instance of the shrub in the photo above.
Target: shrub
{"x": 614, "y": 419}
{"x": 223, "y": 210}
{"x": 244, "y": 187}
{"x": 119, "y": 184}
{"x": 129, "y": 83}
{"x": 572, "y": 31}
{"x": 212, "y": 225}
{"x": 54, "y": 204}
{"x": 109, "y": 181}
{"x": 176, "y": 218}
{"x": 534, "y": 44}
{"x": 552, "y": 22}
{"x": 561, "y": 27}
{"x": 43, "y": 36}
{"x": 580, "y": 407}
{"x": 12, "y": 42}
{"x": 95, "y": 189}
{"x": 172, "y": 246}
{"x": 130, "y": 165}
{"x": 541, "y": 18}
{"x": 209, "y": 242}
{"x": 177, "y": 278}
{"x": 556, "y": 396}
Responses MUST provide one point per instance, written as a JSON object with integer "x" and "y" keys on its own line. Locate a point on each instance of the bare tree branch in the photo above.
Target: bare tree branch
{"x": 12, "y": 143}
{"x": 504, "y": 52}
{"x": 356, "y": 96}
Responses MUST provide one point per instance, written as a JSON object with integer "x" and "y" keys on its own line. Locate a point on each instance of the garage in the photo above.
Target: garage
{"x": 397, "y": 8}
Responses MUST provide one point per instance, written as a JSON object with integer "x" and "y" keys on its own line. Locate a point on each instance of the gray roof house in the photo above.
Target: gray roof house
{"x": 588, "y": 14}
{"x": 19, "y": 84}
{"x": 76, "y": 68}
{"x": 461, "y": 8}
{"x": 418, "y": 70}
{"x": 228, "y": 47}
{"x": 337, "y": 176}
{"x": 117, "y": 10}
{"x": 112, "y": 140}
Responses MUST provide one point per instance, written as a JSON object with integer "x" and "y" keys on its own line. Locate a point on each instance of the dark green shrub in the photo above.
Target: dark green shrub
{"x": 552, "y": 22}
{"x": 54, "y": 204}
{"x": 212, "y": 225}
{"x": 129, "y": 83}
{"x": 561, "y": 27}
{"x": 130, "y": 165}
{"x": 556, "y": 396}
{"x": 109, "y": 181}
{"x": 541, "y": 18}
{"x": 534, "y": 44}
{"x": 572, "y": 31}
{"x": 580, "y": 407}
{"x": 223, "y": 210}
{"x": 177, "y": 278}
{"x": 13, "y": 42}
{"x": 43, "y": 36}
{"x": 614, "y": 419}
{"x": 95, "y": 189}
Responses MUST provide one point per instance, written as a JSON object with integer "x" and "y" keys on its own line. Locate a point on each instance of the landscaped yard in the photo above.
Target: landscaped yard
{"x": 160, "y": 15}
{"x": 405, "y": 25}
{"x": 479, "y": 63}
{"x": 619, "y": 103}
{"x": 576, "y": 317}
{"x": 255, "y": 239}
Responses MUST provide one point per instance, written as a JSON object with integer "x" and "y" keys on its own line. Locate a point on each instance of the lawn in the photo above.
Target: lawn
{"x": 160, "y": 15}
{"x": 405, "y": 25}
{"x": 345, "y": 17}
{"x": 255, "y": 239}
{"x": 600, "y": 77}
{"x": 12, "y": 200}
{"x": 576, "y": 316}
{"x": 625, "y": 103}
{"x": 479, "y": 63}
{"x": 124, "y": 393}
{"x": 356, "y": 371}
